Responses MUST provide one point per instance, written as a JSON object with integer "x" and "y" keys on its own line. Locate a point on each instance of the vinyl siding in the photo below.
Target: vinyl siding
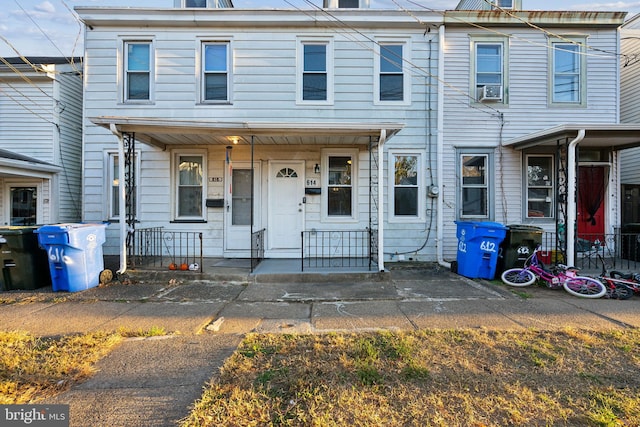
{"x": 263, "y": 89}
{"x": 490, "y": 125}
{"x": 41, "y": 118}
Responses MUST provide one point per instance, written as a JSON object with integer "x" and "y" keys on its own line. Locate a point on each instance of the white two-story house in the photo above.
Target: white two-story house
{"x": 311, "y": 131}
{"x": 40, "y": 140}
{"x": 532, "y": 127}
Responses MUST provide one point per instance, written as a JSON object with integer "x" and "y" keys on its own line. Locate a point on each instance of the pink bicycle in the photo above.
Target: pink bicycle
{"x": 560, "y": 276}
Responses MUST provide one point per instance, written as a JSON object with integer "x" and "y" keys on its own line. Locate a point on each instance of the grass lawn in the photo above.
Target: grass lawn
{"x": 470, "y": 378}
{"x": 32, "y": 368}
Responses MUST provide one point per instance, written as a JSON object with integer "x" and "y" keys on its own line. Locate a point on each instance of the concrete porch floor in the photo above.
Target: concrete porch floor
{"x": 239, "y": 269}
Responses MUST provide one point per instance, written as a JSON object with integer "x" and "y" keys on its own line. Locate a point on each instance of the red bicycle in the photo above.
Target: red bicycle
{"x": 617, "y": 287}
{"x": 560, "y": 276}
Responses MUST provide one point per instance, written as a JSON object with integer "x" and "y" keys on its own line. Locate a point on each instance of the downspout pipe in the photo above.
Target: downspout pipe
{"x": 571, "y": 196}
{"x": 382, "y": 140}
{"x": 440, "y": 153}
{"x": 122, "y": 213}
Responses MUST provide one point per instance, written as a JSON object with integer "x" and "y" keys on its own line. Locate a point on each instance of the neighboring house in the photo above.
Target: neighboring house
{"x": 630, "y": 113}
{"x": 40, "y": 140}
{"x": 531, "y": 121}
{"x": 324, "y": 105}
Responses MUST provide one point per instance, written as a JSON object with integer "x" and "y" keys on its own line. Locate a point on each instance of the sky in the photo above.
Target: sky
{"x": 51, "y": 28}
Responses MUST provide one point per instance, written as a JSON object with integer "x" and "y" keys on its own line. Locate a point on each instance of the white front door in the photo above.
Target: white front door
{"x": 286, "y": 208}
{"x": 238, "y": 208}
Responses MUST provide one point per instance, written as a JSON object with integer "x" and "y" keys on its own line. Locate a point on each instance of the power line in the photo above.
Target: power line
{"x": 549, "y": 33}
{"x": 414, "y": 67}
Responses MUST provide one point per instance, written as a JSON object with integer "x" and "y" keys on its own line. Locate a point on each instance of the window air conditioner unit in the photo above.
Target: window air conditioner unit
{"x": 491, "y": 93}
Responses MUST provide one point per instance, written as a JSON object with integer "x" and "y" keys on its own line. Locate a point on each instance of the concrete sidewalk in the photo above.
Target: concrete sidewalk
{"x": 154, "y": 381}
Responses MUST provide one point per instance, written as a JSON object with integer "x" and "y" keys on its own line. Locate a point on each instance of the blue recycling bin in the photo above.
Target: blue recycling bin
{"x": 478, "y": 248}
{"x": 75, "y": 254}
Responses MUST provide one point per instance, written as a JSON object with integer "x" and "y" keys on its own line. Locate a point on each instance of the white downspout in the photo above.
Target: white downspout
{"x": 571, "y": 196}
{"x": 383, "y": 138}
{"x": 122, "y": 213}
{"x": 440, "y": 153}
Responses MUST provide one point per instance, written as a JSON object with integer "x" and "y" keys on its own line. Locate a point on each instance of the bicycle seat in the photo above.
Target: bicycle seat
{"x": 620, "y": 275}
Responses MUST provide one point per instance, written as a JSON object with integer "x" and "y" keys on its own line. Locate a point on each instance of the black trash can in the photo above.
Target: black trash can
{"x": 24, "y": 264}
{"x": 518, "y": 245}
{"x": 631, "y": 241}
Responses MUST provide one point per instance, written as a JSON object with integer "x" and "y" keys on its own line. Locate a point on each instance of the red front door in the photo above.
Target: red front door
{"x": 591, "y": 202}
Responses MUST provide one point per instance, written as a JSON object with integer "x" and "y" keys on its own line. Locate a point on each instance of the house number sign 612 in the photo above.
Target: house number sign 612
{"x": 486, "y": 246}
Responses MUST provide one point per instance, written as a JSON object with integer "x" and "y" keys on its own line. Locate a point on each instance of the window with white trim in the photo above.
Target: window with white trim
{"x": 315, "y": 71}
{"x": 489, "y": 69}
{"x": 475, "y": 184}
{"x": 190, "y": 179}
{"x": 113, "y": 185}
{"x": 215, "y": 75}
{"x": 407, "y": 189}
{"x": 540, "y": 186}
{"x": 568, "y": 68}
{"x": 340, "y": 181}
{"x": 138, "y": 75}
{"x": 503, "y": 4}
{"x": 391, "y": 75}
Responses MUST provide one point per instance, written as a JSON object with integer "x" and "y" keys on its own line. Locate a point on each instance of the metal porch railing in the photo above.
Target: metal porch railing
{"x": 618, "y": 250}
{"x": 157, "y": 247}
{"x": 339, "y": 249}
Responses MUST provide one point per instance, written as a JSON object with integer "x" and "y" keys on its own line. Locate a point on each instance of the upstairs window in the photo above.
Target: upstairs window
{"x": 215, "y": 72}
{"x": 503, "y": 4}
{"x": 195, "y": 3}
{"x": 137, "y": 76}
{"x": 314, "y": 76}
{"x": 348, "y": 4}
{"x": 315, "y": 71}
{"x": 391, "y": 72}
{"x": 568, "y": 69}
{"x": 489, "y": 71}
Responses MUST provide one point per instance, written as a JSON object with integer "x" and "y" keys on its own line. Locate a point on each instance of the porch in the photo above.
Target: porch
{"x": 333, "y": 251}
{"x": 615, "y": 251}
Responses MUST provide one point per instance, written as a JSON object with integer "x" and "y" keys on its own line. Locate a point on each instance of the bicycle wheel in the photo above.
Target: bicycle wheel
{"x": 619, "y": 291}
{"x": 584, "y": 287}
{"x": 518, "y": 277}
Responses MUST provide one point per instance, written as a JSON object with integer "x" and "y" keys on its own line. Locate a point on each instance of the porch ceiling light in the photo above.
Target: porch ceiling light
{"x": 234, "y": 139}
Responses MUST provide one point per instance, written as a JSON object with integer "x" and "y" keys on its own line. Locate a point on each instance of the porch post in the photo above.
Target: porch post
{"x": 571, "y": 196}
{"x": 251, "y": 209}
{"x": 383, "y": 137}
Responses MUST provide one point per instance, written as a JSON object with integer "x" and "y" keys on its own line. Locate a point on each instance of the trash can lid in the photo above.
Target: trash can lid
{"x": 523, "y": 227}
{"x": 64, "y": 228}
{"x": 18, "y": 229}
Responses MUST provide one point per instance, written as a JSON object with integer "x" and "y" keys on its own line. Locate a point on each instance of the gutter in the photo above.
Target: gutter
{"x": 122, "y": 213}
{"x": 440, "y": 153}
{"x": 571, "y": 196}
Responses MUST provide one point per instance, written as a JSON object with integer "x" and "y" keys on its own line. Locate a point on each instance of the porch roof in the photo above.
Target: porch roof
{"x": 14, "y": 164}
{"x": 164, "y": 132}
{"x": 613, "y": 136}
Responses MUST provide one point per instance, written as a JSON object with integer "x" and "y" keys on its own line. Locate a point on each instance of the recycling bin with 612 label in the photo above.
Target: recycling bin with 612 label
{"x": 75, "y": 254}
{"x": 478, "y": 248}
